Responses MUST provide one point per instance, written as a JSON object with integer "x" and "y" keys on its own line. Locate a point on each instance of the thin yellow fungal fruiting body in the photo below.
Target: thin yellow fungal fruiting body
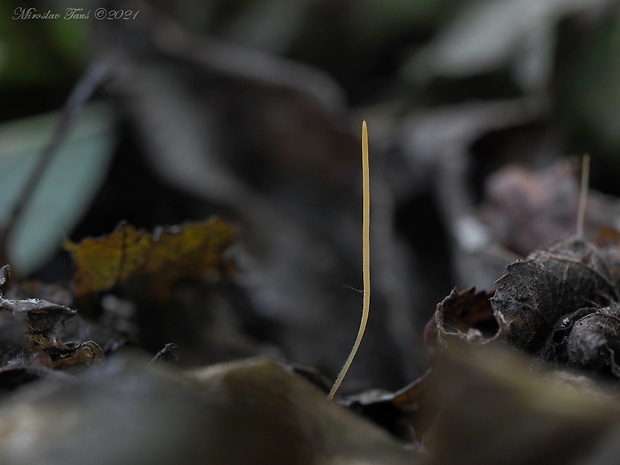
{"x": 365, "y": 260}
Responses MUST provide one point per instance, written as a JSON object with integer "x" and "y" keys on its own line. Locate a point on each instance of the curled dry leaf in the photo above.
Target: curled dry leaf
{"x": 588, "y": 339}
{"x": 534, "y": 293}
{"x": 594, "y": 340}
{"x": 558, "y": 303}
{"x": 191, "y": 250}
{"x": 401, "y": 413}
{"x": 31, "y": 332}
{"x": 467, "y": 314}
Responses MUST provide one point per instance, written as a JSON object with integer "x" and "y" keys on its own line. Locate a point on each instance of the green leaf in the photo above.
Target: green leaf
{"x": 67, "y": 187}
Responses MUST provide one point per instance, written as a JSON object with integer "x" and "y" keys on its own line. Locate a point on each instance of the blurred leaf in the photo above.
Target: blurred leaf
{"x": 280, "y": 418}
{"x": 489, "y": 35}
{"x": 249, "y": 412}
{"x": 590, "y": 98}
{"x": 497, "y": 410}
{"x": 483, "y": 37}
{"x": 192, "y": 250}
{"x": 67, "y": 187}
{"x": 150, "y": 418}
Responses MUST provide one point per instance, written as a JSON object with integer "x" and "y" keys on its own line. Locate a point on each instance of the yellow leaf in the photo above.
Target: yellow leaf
{"x": 170, "y": 254}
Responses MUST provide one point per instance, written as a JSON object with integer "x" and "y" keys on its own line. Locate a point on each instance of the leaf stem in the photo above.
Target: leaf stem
{"x": 365, "y": 261}
{"x": 583, "y": 194}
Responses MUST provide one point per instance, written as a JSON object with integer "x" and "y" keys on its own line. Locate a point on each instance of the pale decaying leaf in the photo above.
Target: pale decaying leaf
{"x": 251, "y": 411}
{"x": 263, "y": 404}
{"x": 496, "y": 410}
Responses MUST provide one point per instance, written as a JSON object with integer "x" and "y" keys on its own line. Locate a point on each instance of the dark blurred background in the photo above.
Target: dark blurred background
{"x": 478, "y": 113}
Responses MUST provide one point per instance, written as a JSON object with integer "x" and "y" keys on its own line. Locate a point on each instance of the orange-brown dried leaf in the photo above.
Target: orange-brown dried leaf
{"x": 191, "y": 250}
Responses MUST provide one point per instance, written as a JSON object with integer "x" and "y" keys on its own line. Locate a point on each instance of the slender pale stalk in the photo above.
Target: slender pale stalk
{"x": 583, "y": 194}
{"x": 365, "y": 261}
